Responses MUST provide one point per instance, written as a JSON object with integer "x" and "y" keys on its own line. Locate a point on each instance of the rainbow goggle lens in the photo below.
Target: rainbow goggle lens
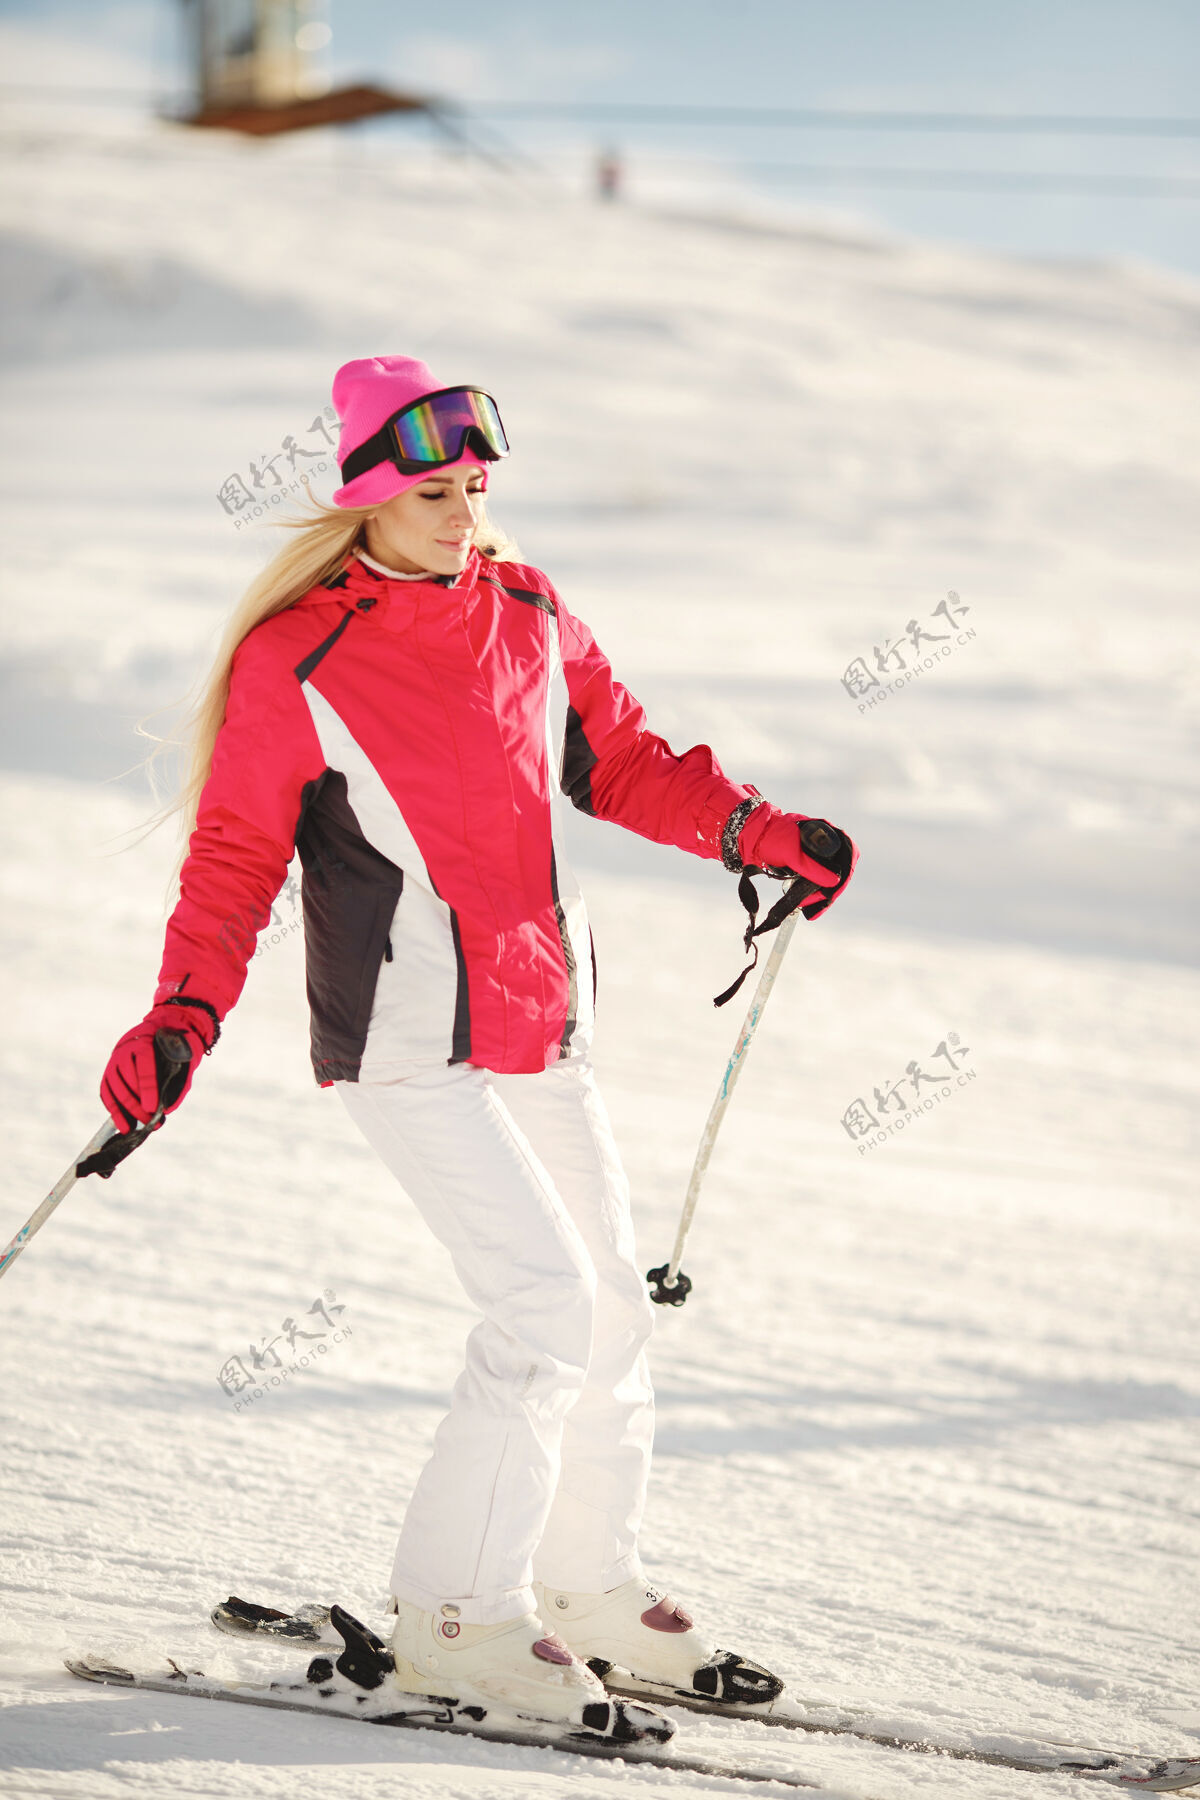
{"x": 431, "y": 432}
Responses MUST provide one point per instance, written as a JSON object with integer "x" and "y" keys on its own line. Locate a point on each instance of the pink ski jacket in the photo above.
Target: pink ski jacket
{"x": 413, "y": 741}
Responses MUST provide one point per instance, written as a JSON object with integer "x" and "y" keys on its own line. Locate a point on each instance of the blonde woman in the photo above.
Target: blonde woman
{"x": 405, "y": 706}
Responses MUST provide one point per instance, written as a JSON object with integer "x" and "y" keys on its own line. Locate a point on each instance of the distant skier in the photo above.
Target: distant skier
{"x": 609, "y": 175}
{"x": 403, "y": 704}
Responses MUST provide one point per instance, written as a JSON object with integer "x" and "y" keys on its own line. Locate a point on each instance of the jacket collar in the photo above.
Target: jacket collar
{"x": 357, "y": 581}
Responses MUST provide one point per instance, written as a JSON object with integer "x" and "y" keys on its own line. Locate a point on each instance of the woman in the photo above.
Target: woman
{"x": 404, "y": 706}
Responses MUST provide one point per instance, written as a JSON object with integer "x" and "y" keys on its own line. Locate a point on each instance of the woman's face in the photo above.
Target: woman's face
{"x": 432, "y": 525}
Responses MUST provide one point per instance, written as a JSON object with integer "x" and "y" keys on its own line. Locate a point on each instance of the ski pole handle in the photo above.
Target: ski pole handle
{"x": 172, "y": 1055}
{"x": 100, "y": 1155}
{"x": 668, "y": 1287}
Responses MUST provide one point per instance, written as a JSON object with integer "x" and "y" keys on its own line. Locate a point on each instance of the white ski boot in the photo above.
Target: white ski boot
{"x": 517, "y": 1666}
{"x": 638, "y": 1632}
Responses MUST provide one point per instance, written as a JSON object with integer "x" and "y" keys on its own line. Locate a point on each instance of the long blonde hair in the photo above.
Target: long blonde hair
{"x": 323, "y": 538}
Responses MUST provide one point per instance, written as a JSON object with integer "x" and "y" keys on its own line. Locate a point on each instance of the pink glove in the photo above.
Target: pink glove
{"x": 791, "y": 844}
{"x": 129, "y": 1088}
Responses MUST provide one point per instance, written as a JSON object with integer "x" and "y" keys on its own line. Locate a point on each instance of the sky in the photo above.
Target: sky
{"x": 1124, "y": 58}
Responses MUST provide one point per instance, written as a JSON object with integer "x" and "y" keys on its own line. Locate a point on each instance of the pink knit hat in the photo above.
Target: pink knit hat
{"x": 365, "y": 394}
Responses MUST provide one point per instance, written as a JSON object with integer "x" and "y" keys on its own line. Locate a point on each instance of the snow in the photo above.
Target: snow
{"x": 928, "y": 1426}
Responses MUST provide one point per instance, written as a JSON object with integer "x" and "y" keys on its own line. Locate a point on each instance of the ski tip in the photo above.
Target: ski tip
{"x": 94, "y": 1668}
{"x": 246, "y": 1618}
{"x": 1172, "y": 1776}
{"x": 246, "y": 1615}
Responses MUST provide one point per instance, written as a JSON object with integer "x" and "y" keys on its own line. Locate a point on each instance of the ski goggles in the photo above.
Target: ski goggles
{"x": 431, "y": 432}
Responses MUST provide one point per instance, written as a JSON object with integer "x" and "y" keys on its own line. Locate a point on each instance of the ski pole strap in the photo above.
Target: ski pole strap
{"x": 793, "y": 896}
{"x": 204, "y": 1006}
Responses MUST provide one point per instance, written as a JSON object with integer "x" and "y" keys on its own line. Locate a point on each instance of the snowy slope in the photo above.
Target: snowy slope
{"x": 928, "y": 1428}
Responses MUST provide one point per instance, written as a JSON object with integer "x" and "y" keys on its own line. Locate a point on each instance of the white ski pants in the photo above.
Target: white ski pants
{"x": 539, "y": 1469}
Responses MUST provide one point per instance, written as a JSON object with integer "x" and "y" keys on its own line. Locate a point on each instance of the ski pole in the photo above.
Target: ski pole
{"x": 668, "y": 1287}
{"x": 101, "y": 1154}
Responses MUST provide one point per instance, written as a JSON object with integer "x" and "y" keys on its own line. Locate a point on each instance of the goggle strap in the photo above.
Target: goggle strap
{"x": 377, "y": 449}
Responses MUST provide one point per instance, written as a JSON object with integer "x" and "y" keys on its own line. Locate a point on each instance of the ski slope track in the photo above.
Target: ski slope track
{"x": 927, "y": 1427}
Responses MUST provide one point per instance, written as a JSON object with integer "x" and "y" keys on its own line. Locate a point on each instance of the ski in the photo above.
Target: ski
{"x": 419, "y": 1712}
{"x": 1159, "y": 1775}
